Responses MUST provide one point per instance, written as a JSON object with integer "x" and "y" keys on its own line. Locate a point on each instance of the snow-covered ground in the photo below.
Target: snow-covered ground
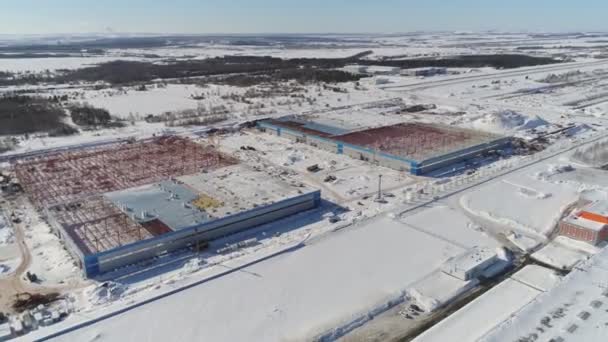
{"x": 10, "y": 256}
{"x": 491, "y": 309}
{"x": 524, "y": 204}
{"x": 50, "y": 261}
{"x": 574, "y": 310}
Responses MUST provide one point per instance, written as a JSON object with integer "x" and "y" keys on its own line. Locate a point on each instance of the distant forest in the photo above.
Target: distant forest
{"x": 240, "y": 69}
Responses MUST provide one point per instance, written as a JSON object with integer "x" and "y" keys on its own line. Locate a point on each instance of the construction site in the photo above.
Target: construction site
{"x": 415, "y": 147}
{"x": 119, "y": 204}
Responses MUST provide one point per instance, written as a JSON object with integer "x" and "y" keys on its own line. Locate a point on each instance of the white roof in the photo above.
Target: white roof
{"x": 470, "y": 259}
{"x": 598, "y": 207}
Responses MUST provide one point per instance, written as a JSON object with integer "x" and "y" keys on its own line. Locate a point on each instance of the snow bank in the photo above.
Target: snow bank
{"x": 105, "y": 293}
{"x": 507, "y": 121}
{"x": 360, "y": 319}
{"x": 595, "y": 155}
{"x": 553, "y": 170}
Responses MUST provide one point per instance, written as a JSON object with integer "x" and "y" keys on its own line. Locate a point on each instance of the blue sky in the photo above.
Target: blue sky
{"x": 293, "y": 16}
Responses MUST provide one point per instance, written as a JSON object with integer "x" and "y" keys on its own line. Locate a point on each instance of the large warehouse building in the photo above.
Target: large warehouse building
{"x": 118, "y": 205}
{"x": 415, "y": 147}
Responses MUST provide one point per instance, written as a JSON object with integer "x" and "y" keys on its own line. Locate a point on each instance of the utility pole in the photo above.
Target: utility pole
{"x": 380, "y": 198}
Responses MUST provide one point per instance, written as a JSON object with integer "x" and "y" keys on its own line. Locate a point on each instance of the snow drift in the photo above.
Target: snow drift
{"x": 507, "y": 121}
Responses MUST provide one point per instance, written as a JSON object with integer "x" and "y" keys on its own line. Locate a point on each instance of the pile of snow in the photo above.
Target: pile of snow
{"x": 569, "y": 76}
{"x": 596, "y": 154}
{"x": 553, "y": 170}
{"x": 293, "y": 157}
{"x": 507, "y": 121}
{"x": 192, "y": 266}
{"x": 105, "y": 293}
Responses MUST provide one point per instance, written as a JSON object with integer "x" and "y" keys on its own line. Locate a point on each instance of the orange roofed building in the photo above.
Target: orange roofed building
{"x": 589, "y": 224}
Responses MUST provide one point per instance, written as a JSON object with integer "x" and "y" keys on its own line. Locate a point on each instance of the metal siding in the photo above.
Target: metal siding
{"x": 128, "y": 254}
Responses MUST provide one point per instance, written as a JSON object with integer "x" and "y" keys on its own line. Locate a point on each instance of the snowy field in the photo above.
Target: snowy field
{"x": 533, "y": 207}
{"x": 450, "y": 224}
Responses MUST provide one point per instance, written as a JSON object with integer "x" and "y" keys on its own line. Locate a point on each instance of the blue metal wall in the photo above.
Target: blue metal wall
{"x": 92, "y": 263}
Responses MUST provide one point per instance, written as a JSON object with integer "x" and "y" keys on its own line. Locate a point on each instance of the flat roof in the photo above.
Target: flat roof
{"x": 412, "y": 140}
{"x": 239, "y": 187}
{"x": 470, "y": 259}
{"x": 167, "y": 201}
{"x": 574, "y": 219}
{"x": 598, "y": 207}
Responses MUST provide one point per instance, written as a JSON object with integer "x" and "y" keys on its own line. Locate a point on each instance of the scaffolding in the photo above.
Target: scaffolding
{"x": 68, "y": 176}
{"x": 96, "y": 225}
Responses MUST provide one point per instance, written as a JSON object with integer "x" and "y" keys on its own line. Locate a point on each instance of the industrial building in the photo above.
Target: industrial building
{"x": 589, "y": 224}
{"x": 415, "y": 147}
{"x": 118, "y": 205}
{"x": 425, "y": 72}
{"x": 377, "y": 70}
{"x": 471, "y": 264}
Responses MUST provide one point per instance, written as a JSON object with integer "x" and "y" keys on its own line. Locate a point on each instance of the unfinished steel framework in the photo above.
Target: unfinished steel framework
{"x": 118, "y": 205}
{"x": 415, "y": 147}
{"x": 96, "y": 225}
{"x": 69, "y": 176}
